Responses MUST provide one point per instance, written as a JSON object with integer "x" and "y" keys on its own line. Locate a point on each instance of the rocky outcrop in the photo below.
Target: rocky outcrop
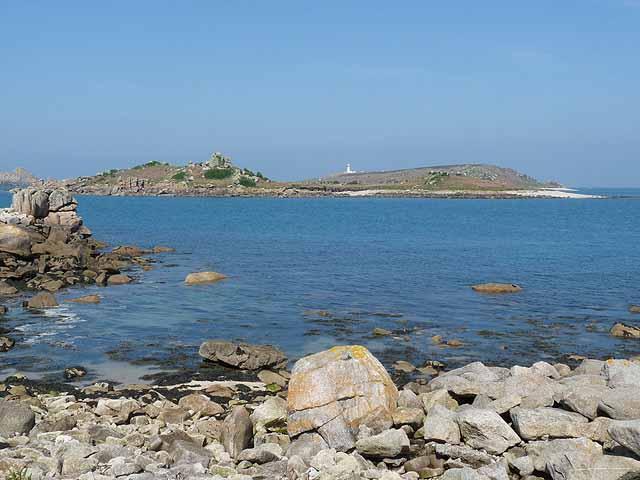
{"x": 338, "y": 393}
{"x": 45, "y": 246}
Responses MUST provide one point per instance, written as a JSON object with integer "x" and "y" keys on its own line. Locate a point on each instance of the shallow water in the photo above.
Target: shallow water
{"x": 359, "y": 259}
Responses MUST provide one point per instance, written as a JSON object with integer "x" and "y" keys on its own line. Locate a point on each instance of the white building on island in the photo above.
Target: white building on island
{"x": 348, "y": 170}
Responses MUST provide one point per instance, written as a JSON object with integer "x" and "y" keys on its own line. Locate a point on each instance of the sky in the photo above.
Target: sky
{"x": 298, "y": 89}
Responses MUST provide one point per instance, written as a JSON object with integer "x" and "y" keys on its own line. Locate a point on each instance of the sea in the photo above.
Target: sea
{"x": 308, "y": 274}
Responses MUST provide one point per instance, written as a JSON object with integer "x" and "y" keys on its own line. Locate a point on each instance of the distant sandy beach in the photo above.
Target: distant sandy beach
{"x": 538, "y": 193}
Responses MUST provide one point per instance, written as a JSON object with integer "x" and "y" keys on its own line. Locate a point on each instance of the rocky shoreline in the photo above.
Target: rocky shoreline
{"x": 136, "y": 188}
{"x": 336, "y": 415}
{"x": 45, "y": 247}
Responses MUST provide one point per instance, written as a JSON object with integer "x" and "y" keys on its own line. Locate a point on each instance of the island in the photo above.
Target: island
{"x": 220, "y": 177}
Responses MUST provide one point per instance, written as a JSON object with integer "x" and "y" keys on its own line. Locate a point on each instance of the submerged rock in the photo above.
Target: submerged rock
{"x": 339, "y": 391}
{"x": 6, "y": 344}
{"x": 625, "y": 331}
{"x": 74, "y": 372}
{"x": 88, "y": 299}
{"x": 497, "y": 288}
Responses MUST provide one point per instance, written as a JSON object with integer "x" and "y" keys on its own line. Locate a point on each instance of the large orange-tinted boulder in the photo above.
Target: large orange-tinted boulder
{"x": 200, "y": 278}
{"x": 497, "y": 288}
{"x": 339, "y": 391}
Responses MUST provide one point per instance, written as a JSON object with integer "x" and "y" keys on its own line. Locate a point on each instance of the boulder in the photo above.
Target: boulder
{"x": 15, "y": 418}
{"x": 408, "y": 399}
{"x": 307, "y": 446}
{"x": 237, "y": 431}
{"x": 129, "y": 251}
{"x": 625, "y": 331}
{"x": 187, "y": 452}
{"x": 242, "y": 355}
{"x": 32, "y": 202}
{"x": 497, "y": 288}
{"x": 15, "y": 240}
{"x": 621, "y": 403}
{"x": 542, "y": 452}
{"x": 584, "y": 399}
{"x": 441, "y": 426}
{"x": 414, "y": 417}
{"x": 201, "y": 404}
{"x": 272, "y": 414}
{"x": 68, "y": 220}
{"x": 581, "y": 466}
{"x": 485, "y": 429}
{"x": 468, "y": 455}
{"x": 438, "y": 397}
{"x": 42, "y": 300}
{"x": 61, "y": 199}
{"x": 200, "y": 278}
{"x": 338, "y": 391}
{"x": 268, "y": 452}
{"x": 161, "y": 249}
{"x": 388, "y": 444}
{"x": 269, "y": 378}
{"x": 6, "y": 344}
{"x": 88, "y": 299}
{"x": 74, "y": 372}
{"x": 6, "y": 289}
{"x": 621, "y": 373}
{"x": 589, "y": 366}
{"x": 119, "y": 279}
{"x": 547, "y": 422}
{"x": 627, "y": 434}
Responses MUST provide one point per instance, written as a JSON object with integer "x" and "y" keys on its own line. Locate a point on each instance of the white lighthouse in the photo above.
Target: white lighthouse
{"x": 348, "y": 170}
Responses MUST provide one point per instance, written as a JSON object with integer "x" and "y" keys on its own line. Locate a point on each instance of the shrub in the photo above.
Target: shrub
{"x": 247, "y": 182}
{"x": 218, "y": 173}
{"x": 22, "y": 474}
{"x": 153, "y": 163}
{"x": 180, "y": 176}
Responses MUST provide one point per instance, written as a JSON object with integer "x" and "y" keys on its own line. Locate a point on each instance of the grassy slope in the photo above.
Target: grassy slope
{"x": 468, "y": 177}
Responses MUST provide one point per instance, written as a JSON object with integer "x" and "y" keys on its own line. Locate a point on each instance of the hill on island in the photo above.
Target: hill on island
{"x": 444, "y": 177}
{"x": 163, "y": 178}
{"x": 19, "y": 178}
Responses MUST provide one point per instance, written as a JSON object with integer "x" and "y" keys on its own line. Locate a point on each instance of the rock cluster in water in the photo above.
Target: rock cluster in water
{"x": 45, "y": 246}
{"x": 337, "y": 415}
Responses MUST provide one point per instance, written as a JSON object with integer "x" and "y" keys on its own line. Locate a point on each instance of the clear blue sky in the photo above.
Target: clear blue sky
{"x": 297, "y": 89}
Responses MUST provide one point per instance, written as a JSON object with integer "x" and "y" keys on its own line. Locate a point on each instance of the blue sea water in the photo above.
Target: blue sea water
{"x": 360, "y": 260}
